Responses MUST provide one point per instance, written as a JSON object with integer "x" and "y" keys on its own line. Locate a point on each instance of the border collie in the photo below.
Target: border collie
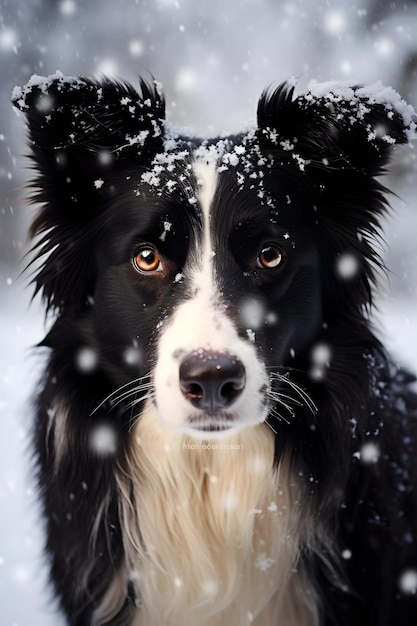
{"x": 220, "y": 438}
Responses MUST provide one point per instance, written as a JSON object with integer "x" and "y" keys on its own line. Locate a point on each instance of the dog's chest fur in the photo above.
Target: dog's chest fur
{"x": 219, "y": 532}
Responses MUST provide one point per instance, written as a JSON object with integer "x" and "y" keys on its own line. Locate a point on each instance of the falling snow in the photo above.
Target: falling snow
{"x": 210, "y": 587}
{"x": 408, "y": 582}
{"x": 136, "y": 48}
{"x": 209, "y": 80}
{"x": 103, "y": 440}
{"x": 132, "y": 355}
{"x": 8, "y": 39}
{"x": 335, "y": 22}
{"x": 230, "y": 501}
{"x": 347, "y": 266}
{"x": 252, "y": 314}
{"x": 369, "y": 452}
{"x": 86, "y": 360}
{"x": 263, "y": 562}
{"x": 251, "y": 335}
{"x": 167, "y": 225}
{"x": 68, "y": 7}
{"x": 321, "y": 355}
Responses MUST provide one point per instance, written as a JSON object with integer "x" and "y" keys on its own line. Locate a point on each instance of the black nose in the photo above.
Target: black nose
{"x": 211, "y": 381}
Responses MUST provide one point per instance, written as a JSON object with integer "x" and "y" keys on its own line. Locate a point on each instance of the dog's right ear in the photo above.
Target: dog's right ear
{"x": 81, "y": 133}
{"x": 101, "y": 114}
{"x": 95, "y": 122}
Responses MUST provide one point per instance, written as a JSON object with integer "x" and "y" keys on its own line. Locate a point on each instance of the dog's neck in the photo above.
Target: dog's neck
{"x": 211, "y": 531}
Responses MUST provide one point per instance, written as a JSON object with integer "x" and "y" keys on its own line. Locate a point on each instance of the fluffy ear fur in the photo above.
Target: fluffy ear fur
{"x": 336, "y": 126}
{"x": 339, "y": 138}
{"x": 81, "y": 130}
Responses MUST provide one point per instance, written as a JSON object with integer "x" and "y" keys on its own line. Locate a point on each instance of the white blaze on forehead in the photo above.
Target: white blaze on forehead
{"x": 201, "y": 323}
{"x": 205, "y": 171}
{"x": 197, "y": 321}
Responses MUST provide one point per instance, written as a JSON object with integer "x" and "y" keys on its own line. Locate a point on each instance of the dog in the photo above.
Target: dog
{"x": 220, "y": 436}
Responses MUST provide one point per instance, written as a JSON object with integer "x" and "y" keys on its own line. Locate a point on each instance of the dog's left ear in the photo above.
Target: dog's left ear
{"x": 335, "y": 126}
{"x": 334, "y": 141}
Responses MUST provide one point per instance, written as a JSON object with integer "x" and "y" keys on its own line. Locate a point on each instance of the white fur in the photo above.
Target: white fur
{"x": 201, "y": 323}
{"x": 57, "y": 426}
{"x": 211, "y": 534}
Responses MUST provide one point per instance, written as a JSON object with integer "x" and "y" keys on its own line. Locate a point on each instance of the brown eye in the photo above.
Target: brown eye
{"x": 147, "y": 260}
{"x": 270, "y": 257}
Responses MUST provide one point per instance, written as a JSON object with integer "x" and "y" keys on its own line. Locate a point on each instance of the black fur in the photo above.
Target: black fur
{"x": 326, "y": 194}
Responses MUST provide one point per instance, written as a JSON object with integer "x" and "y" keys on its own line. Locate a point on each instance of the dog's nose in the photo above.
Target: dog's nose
{"x": 211, "y": 381}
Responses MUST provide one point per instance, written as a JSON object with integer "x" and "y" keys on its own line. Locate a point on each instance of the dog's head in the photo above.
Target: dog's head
{"x": 210, "y": 265}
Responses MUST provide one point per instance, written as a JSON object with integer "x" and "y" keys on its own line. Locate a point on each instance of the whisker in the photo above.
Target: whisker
{"x": 278, "y": 395}
{"x": 307, "y": 400}
{"x": 285, "y": 405}
{"x": 116, "y": 396}
{"x": 126, "y": 394}
{"x": 278, "y": 416}
{"x": 136, "y": 401}
{"x": 269, "y": 425}
{"x": 135, "y": 417}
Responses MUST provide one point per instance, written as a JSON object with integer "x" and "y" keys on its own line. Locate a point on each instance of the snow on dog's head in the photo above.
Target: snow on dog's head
{"x": 208, "y": 379}
{"x": 213, "y": 262}
{"x": 218, "y": 341}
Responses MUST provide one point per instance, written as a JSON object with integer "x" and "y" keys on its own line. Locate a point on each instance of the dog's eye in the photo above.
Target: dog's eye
{"x": 147, "y": 260}
{"x": 270, "y": 257}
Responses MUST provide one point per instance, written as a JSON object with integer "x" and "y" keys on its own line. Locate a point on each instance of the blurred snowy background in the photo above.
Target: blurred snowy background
{"x": 214, "y": 57}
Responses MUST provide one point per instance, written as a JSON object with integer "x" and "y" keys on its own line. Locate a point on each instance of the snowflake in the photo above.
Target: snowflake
{"x": 67, "y": 7}
{"x": 108, "y": 67}
{"x": 136, "y": 48}
{"x": 384, "y": 46}
{"x": 320, "y": 356}
{"x": 86, "y": 360}
{"x": 347, "y": 266}
{"x": 251, "y": 335}
{"x": 252, "y": 314}
{"x": 103, "y": 439}
{"x": 210, "y": 587}
{"x": 167, "y": 228}
{"x": 185, "y": 80}
{"x": 132, "y": 356}
{"x": 230, "y": 501}
{"x": 263, "y": 562}
{"x": 8, "y": 39}
{"x": 334, "y": 22}
{"x": 369, "y": 453}
{"x": 408, "y": 582}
